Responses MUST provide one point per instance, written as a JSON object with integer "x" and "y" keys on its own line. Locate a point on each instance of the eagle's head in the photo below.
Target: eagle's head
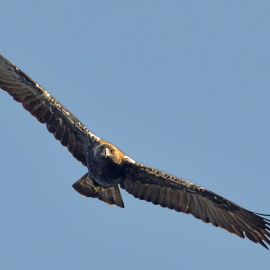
{"x": 109, "y": 152}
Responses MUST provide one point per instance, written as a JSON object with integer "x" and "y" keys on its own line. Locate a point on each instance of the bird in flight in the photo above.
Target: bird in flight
{"x": 109, "y": 168}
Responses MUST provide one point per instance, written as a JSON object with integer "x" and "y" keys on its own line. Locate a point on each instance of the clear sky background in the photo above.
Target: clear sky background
{"x": 183, "y": 86}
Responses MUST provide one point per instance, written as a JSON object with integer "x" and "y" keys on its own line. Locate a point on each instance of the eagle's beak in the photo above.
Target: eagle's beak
{"x": 107, "y": 152}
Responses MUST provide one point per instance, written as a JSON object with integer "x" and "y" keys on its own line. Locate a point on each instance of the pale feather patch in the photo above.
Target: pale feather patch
{"x": 129, "y": 159}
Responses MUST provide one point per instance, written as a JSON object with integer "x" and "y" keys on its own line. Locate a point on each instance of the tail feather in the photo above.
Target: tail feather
{"x": 86, "y": 187}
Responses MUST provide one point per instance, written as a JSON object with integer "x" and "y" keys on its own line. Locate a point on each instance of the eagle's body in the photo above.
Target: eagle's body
{"x": 109, "y": 168}
{"x": 106, "y": 172}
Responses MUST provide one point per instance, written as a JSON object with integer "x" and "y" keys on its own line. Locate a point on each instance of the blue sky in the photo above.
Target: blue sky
{"x": 182, "y": 86}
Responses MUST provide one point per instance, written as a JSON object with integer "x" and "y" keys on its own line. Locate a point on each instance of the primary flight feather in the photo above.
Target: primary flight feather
{"x": 109, "y": 168}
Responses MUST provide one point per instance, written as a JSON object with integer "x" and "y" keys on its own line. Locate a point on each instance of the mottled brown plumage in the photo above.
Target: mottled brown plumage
{"x": 108, "y": 167}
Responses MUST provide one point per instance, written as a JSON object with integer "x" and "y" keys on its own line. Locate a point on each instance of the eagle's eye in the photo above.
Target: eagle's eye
{"x": 112, "y": 151}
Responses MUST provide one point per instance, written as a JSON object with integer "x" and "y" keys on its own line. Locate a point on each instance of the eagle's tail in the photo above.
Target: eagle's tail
{"x": 87, "y": 188}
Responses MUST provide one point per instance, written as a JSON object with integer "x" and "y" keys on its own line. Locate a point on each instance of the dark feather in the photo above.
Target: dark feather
{"x": 171, "y": 192}
{"x": 59, "y": 121}
{"x": 86, "y": 187}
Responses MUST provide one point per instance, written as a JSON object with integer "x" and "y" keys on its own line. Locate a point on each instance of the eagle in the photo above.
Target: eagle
{"x": 109, "y": 168}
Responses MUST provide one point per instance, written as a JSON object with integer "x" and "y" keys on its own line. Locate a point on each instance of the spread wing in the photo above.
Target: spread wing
{"x": 168, "y": 191}
{"x": 65, "y": 127}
